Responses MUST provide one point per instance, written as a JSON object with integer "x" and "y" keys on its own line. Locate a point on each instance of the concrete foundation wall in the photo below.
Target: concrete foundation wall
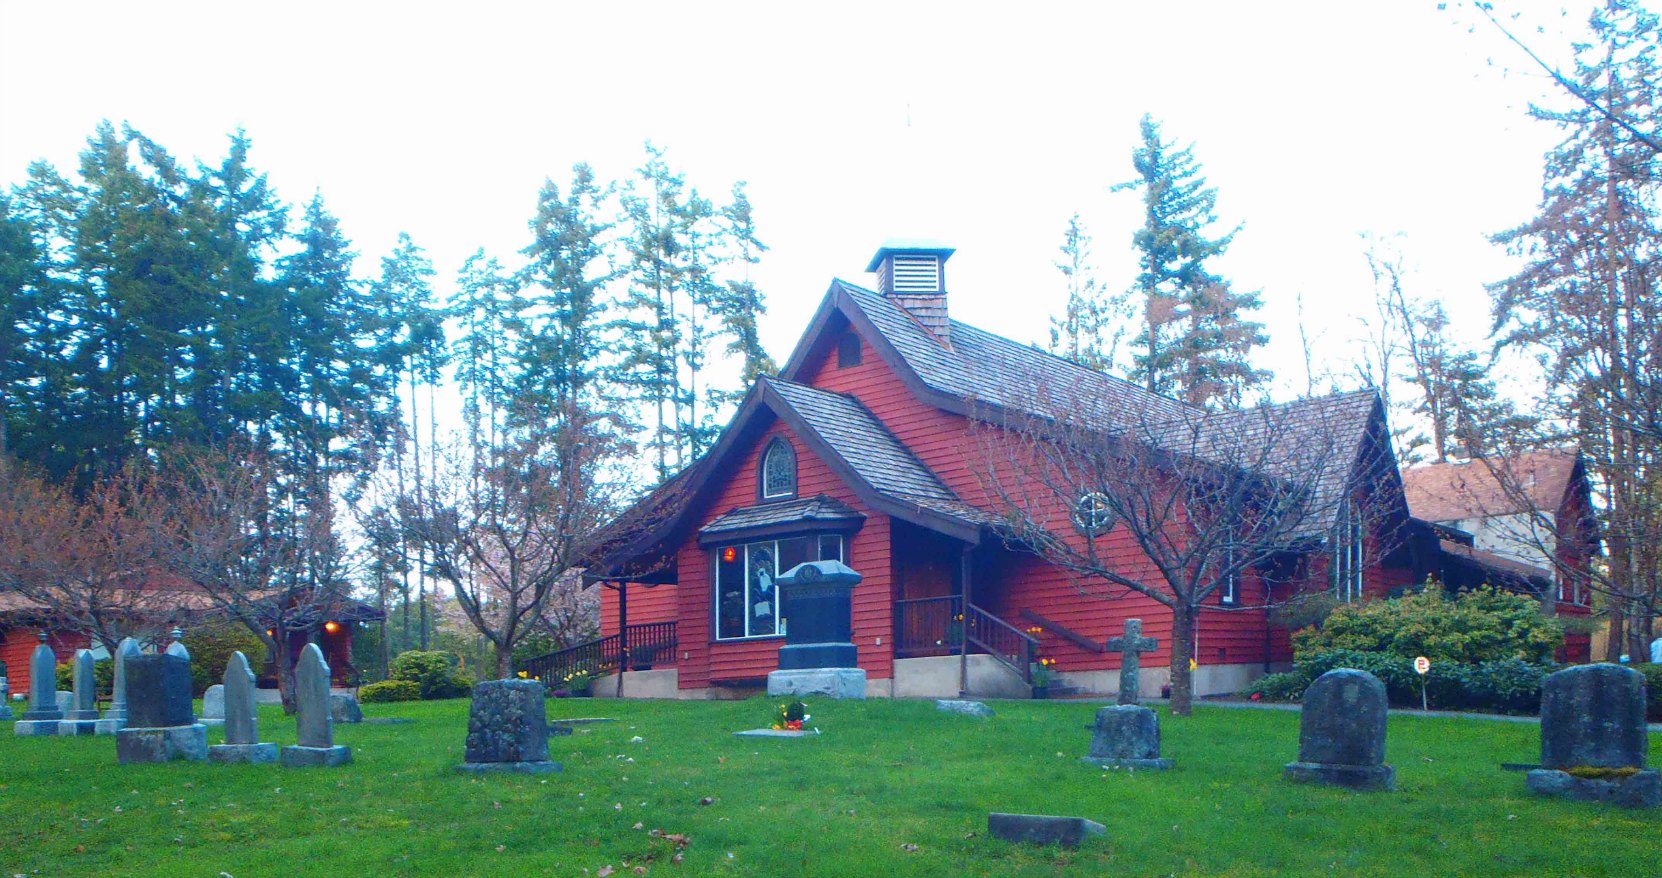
{"x": 937, "y": 677}
{"x": 1208, "y": 679}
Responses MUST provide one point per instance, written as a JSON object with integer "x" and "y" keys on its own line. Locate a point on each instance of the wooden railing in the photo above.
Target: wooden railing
{"x": 928, "y": 626}
{"x": 647, "y": 645}
{"x": 937, "y": 626}
{"x": 1003, "y": 641}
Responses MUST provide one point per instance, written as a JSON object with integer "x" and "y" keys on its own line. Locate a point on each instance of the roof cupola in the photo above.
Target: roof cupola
{"x": 913, "y": 274}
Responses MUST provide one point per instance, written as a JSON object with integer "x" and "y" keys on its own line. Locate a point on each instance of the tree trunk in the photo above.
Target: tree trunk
{"x": 1618, "y": 629}
{"x": 1182, "y": 647}
{"x": 285, "y": 673}
{"x": 504, "y": 661}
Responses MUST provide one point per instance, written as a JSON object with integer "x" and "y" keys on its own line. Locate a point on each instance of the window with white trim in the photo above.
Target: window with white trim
{"x": 1345, "y": 569}
{"x": 778, "y": 470}
{"x": 746, "y": 598}
{"x": 1230, "y": 591}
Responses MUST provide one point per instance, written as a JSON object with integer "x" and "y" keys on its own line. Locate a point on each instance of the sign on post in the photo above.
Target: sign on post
{"x": 1422, "y": 666}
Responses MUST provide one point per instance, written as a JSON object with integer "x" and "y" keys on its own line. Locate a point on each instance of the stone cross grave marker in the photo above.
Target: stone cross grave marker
{"x": 160, "y": 726}
{"x": 42, "y": 716}
{"x": 242, "y": 725}
{"x": 1593, "y": 719}
{"x": 1341, "y": 733}
{"x": 1131, "y": 645}
{"x": 316, "y": 734}
{"x": 507, "y": 728}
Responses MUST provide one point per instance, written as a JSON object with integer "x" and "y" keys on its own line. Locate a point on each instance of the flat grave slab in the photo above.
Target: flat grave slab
{"x": 775, "y": 733}
{"x": 1043, "y": 828}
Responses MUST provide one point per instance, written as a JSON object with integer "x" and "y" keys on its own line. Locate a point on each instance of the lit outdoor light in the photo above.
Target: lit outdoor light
{"x": 332, "y": 627}
{"x": 729, "y": 554}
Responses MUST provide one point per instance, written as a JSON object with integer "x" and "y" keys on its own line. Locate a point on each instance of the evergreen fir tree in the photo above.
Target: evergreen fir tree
{"x": 1090, "y": 329}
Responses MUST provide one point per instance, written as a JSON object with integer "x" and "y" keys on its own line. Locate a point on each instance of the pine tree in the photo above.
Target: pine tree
{"x": 1195, "y": 342}
{"x": 739, "y": 304}
{"x": 1091, "y": 327}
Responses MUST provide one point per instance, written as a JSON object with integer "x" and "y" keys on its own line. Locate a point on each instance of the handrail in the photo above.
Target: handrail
{"x": 1063, "y": 631}
{"x": 928, "y": 626}
{"x": 1001, "y": 640}
{"x": 649, "y": 643}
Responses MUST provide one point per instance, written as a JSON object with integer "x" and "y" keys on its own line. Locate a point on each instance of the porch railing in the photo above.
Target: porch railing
{"x": 650, "y": 644}
{"x": 937, "y": 626}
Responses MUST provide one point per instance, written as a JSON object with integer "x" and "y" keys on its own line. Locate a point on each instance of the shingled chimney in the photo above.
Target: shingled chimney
{"x": 913, "y": 275}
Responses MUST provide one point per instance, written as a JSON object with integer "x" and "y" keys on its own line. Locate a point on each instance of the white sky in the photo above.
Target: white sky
{"x": 983, "y": 126}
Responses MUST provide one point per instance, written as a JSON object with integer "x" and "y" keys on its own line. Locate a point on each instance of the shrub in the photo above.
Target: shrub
{"x": 103, "y": 677}
{"x": 433, "y": 672}
{"x": 1286, "y": 686}
{"x": 390, "y": 690}
{"x": 211, "y": 646}
{"x": 1480, "y": 625}
{"x": 1653, "y": 690}
{"x": 1506, "y": 686}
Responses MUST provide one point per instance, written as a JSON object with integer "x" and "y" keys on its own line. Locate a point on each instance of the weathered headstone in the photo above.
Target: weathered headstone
{"x": 819, "y": 657}
{"x": 1127, "y": 736}
{"x": 1593, "y": 738}
{"x": 66, "y": 701}
{"x": 242, "y": 724}
{"x": 1131, "y": 645}
{"x": 1042, "y": 828}
{"x": 316, "y": 734}
{"x": 1341, "y": 733}
{"x": 177, "y": 647}
{"x": 344, "y": 708}
{"x": 43, "y": 715}
{"x": 507, "y": 728}
{"x": 160, "y": 726}
{"x": 967, "y": 708}
{"x": 82, "y": 717}
{"x": 5, "y": 692}
{"x": 115, "y": 716}
{"x": 213, "y": 705}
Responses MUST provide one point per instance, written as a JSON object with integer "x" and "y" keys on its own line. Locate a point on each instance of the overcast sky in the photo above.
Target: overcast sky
{"x": 982, "y": 126}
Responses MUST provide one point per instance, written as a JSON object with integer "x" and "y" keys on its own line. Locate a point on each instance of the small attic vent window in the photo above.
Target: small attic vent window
{"x": 848, "y": 350}
{"x": 916, "y": 274}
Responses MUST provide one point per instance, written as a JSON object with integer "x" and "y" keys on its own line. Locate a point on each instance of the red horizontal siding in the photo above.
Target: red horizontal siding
{"x": 18, "y": 645}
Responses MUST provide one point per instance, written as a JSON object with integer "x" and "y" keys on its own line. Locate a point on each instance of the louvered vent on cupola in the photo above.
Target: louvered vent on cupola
{"x": 913, "y": 274}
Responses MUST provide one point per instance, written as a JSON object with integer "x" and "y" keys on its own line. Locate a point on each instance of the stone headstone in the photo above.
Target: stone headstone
{"x": 1043, "y": 829}
{"x": 5, "y": 693}
{"x": 507, "y": 728}
{"x": 177, "y": 647}
{"x": 819, "y": 657}
{"x": 213, "y": 705}
{"x": 316, "y": 734}
{"x": 1594, "y": 715}
{"x": 1127, "y": 736}
{"x": 242, "y": 723}
{"x": 1593, "y": 723}
{"x": 345, "y": 708}
{"x": 115, "y": 716}
{"x": 1341, "y": 736}
{"x": 1131, "y": 645}
{"x": 43, "y": 714}
{"x": 160, "y": 726}
{"x": 82, "y": 716}
{"x": 967, "y": 708}
{"x": 66, "y": 701}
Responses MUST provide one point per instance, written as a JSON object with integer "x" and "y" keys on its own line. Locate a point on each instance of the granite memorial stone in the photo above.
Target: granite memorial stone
{"x": 5, "y": 692}
{"x": 213, "y": 705}
{"x": 344, "y": 708}
{"x": 1127, "y": 736}
{"x": 177, "y": 647}
{"x": 1068, "y": 832}
{"x": 82, "y": 717}
{"x": 1341, "y": 735}
{"x": 1131, "y": 645}
{"x": 316, "y": 734}
{"x": 43, "y": 715}
{"x": 819, "y": 657}
{"x": 115, "y": 716}
{"x": 967, "y": 708}
{"x": 507, "y": 728}
{"x": 1594, "y": 741}
{"x": 160, "y": 726}
{"x": 242, "y": 723}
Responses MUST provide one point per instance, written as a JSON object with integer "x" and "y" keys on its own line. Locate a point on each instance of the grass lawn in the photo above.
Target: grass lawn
{"x": 885, "y": 776}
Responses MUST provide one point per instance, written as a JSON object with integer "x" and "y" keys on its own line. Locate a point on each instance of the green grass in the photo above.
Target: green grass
{"x": 885, "y": 774}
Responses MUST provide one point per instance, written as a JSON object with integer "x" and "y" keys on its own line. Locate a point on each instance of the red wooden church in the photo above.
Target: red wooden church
{"x": 863, "y": 449}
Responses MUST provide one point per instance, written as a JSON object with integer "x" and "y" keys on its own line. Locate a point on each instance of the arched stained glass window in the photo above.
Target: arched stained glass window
{"x": 778, "y": 470}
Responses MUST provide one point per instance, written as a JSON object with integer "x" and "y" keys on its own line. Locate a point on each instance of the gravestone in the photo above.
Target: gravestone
{"x": 5, "y": 692}
{"x": 160, "y": 726}
{"x": 967, "y": 708}
{"x": 213, "y": 705}
{"x": 66, "y": 701}
{"x": 818, "y": 657}
{"x": 177, "y": 647}
{"x": 507, "y": 728}
{"x": 1593, "y": 738}
{"x": 1127, "y": 736}
{"x": 1042, "y": 828}
{"x": 116, "y": 715}
{"x": 43, "y": 715}
{"x": 316, "y": 733}
{"x": 82, "y": 717}
{"x": 1131, "y": 645}
{"x": 1341, "y": 733}
{"x": 344, "y": 708}
{"x": 242, "y": 722}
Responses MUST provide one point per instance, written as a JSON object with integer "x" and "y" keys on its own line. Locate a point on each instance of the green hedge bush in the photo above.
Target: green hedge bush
{"x": 1504, "y": 686}
{"x": 211, "y": 646}
{"x": 1480, "y": 625}
{"x": 434, "y": 672}
{"x": 390, "y": 690}
{"x": 1653, "y": 687}
{"x": 103, "y": 677}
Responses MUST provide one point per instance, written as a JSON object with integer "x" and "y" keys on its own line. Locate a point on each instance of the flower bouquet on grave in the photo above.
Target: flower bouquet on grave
{"x": 1042, "y": 673}
{"x": 790, "y": 717}
{"x": 577, "y": 682}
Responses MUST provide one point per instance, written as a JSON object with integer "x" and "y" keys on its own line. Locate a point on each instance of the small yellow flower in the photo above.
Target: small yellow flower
{"x": 522, "y": 675}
